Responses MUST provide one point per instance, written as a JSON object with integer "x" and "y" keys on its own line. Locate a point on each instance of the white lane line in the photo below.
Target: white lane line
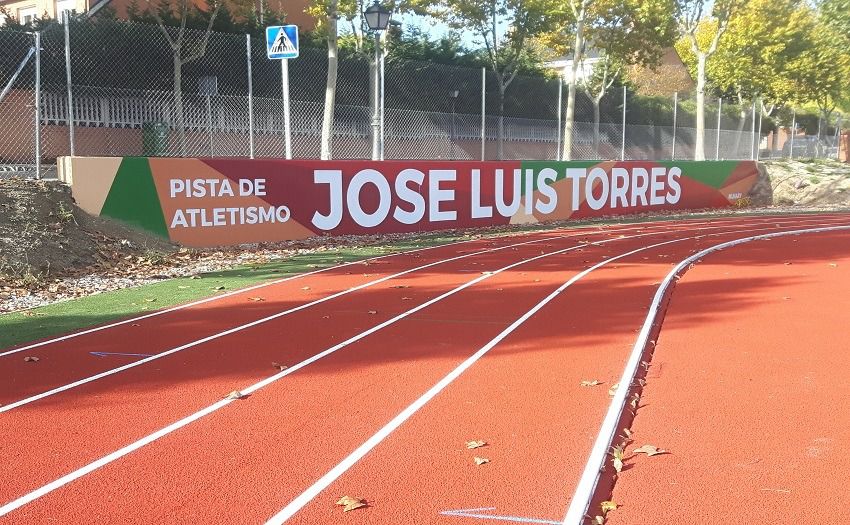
{"x": 305, "y": 497}
{"x": 219, "y": 297}
{"x": 576, "y": 230}
{"x": 586, "y": 487}
{"x": 68, "y": 478}
{"x": 101, "y": 375}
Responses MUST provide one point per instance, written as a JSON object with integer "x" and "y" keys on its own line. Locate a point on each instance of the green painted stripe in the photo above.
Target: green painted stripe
{"x": 133, "y": 197}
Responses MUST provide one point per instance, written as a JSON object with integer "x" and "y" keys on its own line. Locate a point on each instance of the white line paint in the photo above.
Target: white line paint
{"x": 101, "y": 375}
{"x": 576, "y": 231}
{"x": 219, "y": 297}
{"x": 72, "y": 476}
{"x": 586, "y": 487}
{"x": 68, "y": 478}
{"x": 305, "y": 497}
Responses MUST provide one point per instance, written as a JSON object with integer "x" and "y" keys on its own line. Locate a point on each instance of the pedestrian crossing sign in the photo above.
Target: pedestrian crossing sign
{"x": 282, "y": 42}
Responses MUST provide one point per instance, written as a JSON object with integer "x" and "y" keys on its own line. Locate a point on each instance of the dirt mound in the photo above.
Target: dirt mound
{"x": 810, "y": 182}
{"x": 43, "y": 235}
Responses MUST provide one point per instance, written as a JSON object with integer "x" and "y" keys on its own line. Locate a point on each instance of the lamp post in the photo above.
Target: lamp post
{"x": 453, "y": 96}
{"x": 377, "y": 18}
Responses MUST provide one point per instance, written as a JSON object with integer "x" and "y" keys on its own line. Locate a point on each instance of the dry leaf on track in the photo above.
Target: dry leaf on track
{"x": 305, "y": 288}
{"x": 649, "y": 450}
{"x": 480, "y": 461}
{"x": 613, "y": 389}
{"x": 348, "y": 503}
{"x": 595, "y": 382}
{"x": 236, "y": 394}
{"x": 279, "y": 366}
{"x": 30, "y": 359}
{"x": 476, "y": 444}
{"x": 608, "y": 506}
{"x": 372, "y": 312}
{"x": 256, "y": 299}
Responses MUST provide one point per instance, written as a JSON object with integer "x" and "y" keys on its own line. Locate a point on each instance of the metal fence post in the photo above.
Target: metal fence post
{"x": 675, "y": 116}
{"x": 250, "y": 98}
{"x": 284, "y": 89}
{"x": 67, "y": 21}
{"x": 560, "y": 101}
{"x": 758, "y": 138}
{"x": 793, "y": 132}
{"x": 623, "y": 140}
{"x": 483, "y": 111}
{"x": 753, "y": 148}
{"x": 838, "y": 139}
{"x": 37, "y": 105}
{"x": 719, "y": 114}
{"x": 381, "y": 105}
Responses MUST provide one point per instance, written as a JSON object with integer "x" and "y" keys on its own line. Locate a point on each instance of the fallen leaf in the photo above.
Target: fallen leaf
{"x": 649, "y": 450}
{"x": 400, "y": 286}
{"x": 256, "y": 299}
{"x": 406, "y": 298}
{"x": 834, "y": 265}
{"x": 608, "y": 506}
{"x": 279, "y": 366}
{"x": 30, "y": 359}
{"x": 150, "y": 300}
{"x": 135, "y": 324}
{"x": 235, "y": 395}
{"x": 599, "y": 520}
{"x": 195, "y": 277}
{"x": 613, "y": 389}
{"x": 627, "y": 432}
{"x": 183, "y": 287}
{"x": 306, "y": 288}
{"x": 591, "y": 383}
{"x": 480, "y": 461}
{"x": 372, "y": 312}
{"x": 476, "y": 444}
{"x": 348, "y": 503}
{"x": 219, "y": 288}
{"x": 618, "y": 465}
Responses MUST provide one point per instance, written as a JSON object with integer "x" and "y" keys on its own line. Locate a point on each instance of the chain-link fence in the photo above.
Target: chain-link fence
{"x": 138, "y": 89}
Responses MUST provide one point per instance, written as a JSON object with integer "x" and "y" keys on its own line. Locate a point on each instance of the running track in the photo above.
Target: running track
{"x": 393, "y": 364}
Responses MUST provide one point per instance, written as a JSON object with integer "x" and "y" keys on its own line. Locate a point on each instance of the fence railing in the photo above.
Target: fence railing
{"x": 131, "y": 108}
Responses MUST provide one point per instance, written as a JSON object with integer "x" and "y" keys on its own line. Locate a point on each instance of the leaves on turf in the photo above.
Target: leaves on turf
{"x": 219, "y": 288}
{"x": 348, "y": 503}
{"x": 236, "y": 394}
{"x": 476, "y": 444}
{"x": 183, "y": 287}
{"x": 595, "y": 382}
{"x": 30, "y": 359}
{"x": 649, "y": 450}
{"x": 150, "y": 300}
{"x": 480, "y": 461}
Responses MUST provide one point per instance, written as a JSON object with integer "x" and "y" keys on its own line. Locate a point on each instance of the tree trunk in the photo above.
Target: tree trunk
{"x": 571, "y": 86}
{"x": 330, "y": 86}
{"x": 178, "y": 102}
{"x": 699, "y": 145}
{"x": 596, "y": 127}
{"x": 501, "y": 132}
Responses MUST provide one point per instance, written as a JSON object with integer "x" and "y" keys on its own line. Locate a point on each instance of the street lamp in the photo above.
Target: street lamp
{"x": 377, "y": 18}
{"x": 453, "y": 95}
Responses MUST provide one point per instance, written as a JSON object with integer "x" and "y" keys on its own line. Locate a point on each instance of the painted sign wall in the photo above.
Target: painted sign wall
{"x": 210, "y": 202}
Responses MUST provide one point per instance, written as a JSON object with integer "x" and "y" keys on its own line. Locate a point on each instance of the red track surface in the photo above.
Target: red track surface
{"x": 246, "y": 461}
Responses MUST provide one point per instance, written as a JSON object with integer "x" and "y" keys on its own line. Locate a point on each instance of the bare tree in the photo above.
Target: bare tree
{"x": 184, "y": 50}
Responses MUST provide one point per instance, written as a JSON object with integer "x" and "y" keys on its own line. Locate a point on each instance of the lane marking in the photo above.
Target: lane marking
{"x": 322, "y": 483}
{"x": 104, "y": 354}
{"x": 586, "y": 488}
{"x": 113, "y": 371}
{"x": 475, "y": 513}
{"x": 577, "y": 230}
{"x": 305, "y": 497}
{"x": 191, "y": 344}
{"x": 68, "y": 478}
{"x": 225, "y": 295}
